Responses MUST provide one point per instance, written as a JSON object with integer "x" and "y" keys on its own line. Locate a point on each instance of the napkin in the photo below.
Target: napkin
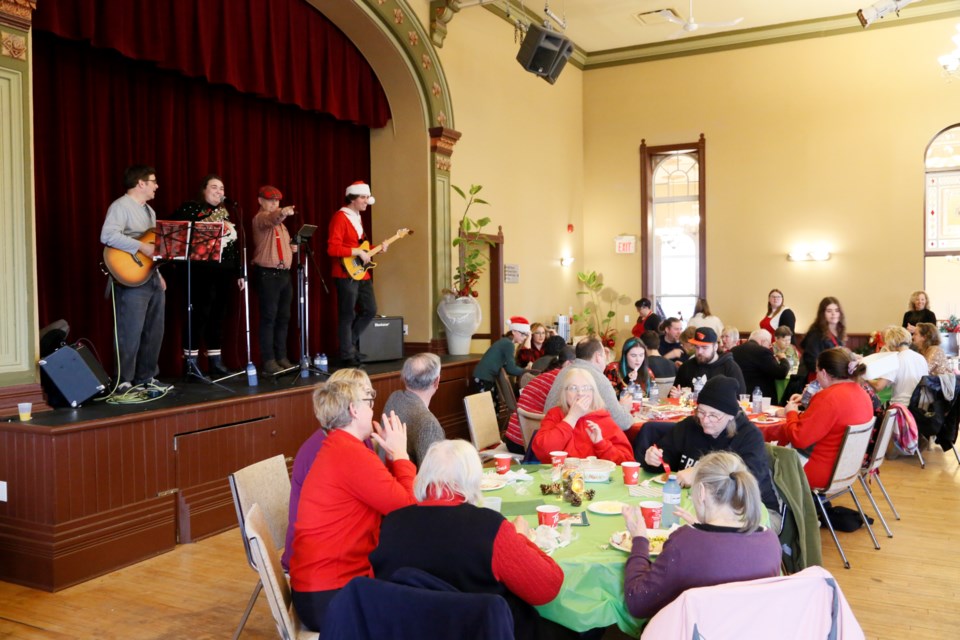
{"x": 645, "y": 490}
{"x": 517, "y": 476}
{"x": 550, "y": 539}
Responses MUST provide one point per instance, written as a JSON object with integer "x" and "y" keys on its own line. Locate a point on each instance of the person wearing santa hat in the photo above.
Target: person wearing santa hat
{"x": 500, "y": 356}
{"x": 356, "y": 303}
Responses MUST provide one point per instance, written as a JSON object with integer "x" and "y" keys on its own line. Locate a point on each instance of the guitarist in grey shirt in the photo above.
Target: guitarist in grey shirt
{"x": 139, "y": 309}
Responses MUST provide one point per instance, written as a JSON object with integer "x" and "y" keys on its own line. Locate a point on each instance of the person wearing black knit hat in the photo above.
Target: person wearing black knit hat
{"x": 717, "y": 425}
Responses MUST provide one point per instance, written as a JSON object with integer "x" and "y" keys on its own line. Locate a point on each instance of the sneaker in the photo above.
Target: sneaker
{"x": 153, "y": 383}
{"x": 123, "y": 387}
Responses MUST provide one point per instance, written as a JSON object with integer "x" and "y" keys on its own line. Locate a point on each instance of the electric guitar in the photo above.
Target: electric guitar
{"x": 130, "y": 270}
{"x": 354, "y": 266}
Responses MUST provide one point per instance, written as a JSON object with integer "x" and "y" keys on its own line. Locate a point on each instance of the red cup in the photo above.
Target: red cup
{"x": 557, "y": 458}
{"x": 503, "y": 460}
{"x": 652, "y": 513}
{"x": 549, "y": 515}
{"x": 637, "y": 407}
{"x": 631, "y": 472}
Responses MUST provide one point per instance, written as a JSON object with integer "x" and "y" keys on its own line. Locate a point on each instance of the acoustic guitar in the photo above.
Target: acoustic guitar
{"x": 130, "y": 270}
{"x": 354, "y": 266}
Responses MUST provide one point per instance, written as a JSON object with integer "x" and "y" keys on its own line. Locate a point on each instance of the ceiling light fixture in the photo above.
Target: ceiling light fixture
{"x": 878, "y": 10}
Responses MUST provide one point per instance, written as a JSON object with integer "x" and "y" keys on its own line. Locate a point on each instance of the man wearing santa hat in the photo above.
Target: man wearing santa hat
{"x": 356, "y": 303}
{"x": 500, "y": 355}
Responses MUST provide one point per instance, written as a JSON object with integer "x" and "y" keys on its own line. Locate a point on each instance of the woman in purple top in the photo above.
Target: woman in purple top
{"x": 724, "y": 544}
{"x": 306, "y": 454}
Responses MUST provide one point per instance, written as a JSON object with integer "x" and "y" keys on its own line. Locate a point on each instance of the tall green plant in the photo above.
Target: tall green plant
{"x": 599, "y": 314}
{"x": 470, "y": 244}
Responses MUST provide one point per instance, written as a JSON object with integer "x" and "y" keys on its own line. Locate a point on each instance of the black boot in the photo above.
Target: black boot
{"x": 215, "y": 368}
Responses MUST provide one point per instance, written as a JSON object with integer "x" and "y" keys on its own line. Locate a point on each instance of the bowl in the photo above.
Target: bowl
{"x": 595, "y": 470}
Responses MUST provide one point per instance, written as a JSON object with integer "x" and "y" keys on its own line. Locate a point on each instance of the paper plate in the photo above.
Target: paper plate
{"x": 624, "y": 542}
{"x": 607, "y": 507}
{"x": 491, "y": 482}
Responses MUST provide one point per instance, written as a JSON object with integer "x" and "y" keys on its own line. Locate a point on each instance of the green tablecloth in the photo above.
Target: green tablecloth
{"x": 592, "y": 592}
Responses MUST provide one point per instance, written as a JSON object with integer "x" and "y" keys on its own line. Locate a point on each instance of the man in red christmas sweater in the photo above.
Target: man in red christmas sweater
{"x": 356, "y": 303}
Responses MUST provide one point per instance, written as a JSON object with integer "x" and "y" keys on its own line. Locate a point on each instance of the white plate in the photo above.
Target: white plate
{"x": 607, "y": 507}
{"x": 491, "y": 482}
{"x": 621, "y": 540}
{"x": 660, "y": 478}
{"x": 766, "y": 420}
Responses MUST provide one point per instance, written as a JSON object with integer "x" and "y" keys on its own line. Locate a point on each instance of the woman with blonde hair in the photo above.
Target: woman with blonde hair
{"x": 451, "y": 536}
{"x": 911, "y": 368}
{"x": 918, "y": 312}
{"x": 724, "y": 544}
{"x": 532, "y": 350}
{"x": 729, "y": 338}
{"x": 581, "y": 425}
{"x": 927, "y": 341}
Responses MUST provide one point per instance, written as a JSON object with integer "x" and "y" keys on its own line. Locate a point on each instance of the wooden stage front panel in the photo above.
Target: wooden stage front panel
{"x": 94, "y": 489}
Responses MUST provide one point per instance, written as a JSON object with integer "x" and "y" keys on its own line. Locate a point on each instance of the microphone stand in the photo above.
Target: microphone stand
{"x": 192, "y": 368}
{"x": 303, "y": 304}
{"x": 242, "y": 239}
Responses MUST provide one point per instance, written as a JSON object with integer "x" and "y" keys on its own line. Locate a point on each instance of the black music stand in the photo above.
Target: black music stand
{"x": 302, "y": 240}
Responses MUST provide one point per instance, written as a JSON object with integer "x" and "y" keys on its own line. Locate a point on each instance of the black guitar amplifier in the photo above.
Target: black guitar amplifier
{"x": 383, "y": 339}
{"x": 71, "y": 376}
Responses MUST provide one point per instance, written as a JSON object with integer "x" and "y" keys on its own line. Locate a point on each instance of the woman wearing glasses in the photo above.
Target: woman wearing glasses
{"x": 345, "y": 496}
{"x": 717, "y": 426}
{"x": 580, "y": 425}
{"x": 533, "y": 349}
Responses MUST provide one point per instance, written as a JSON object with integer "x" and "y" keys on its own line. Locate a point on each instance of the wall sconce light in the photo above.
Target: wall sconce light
{"x": 566, "y": 262}
{"x": 807, "y": 254}
{"x": 878, "y": 10}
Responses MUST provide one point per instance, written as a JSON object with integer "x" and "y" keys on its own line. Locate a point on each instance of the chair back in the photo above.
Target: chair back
{"x": 505, "y": 389}
{"x": 267, "y": 559}
{"x": 529, "y": 423}
{"x": 266, "y": 483}
{"x": 887, "y": 425}
{"x": 846, "y": 469}
{"x": 527, "y": 377}
{"x": 482, "y": 420}
{"x": 663, "y": 386}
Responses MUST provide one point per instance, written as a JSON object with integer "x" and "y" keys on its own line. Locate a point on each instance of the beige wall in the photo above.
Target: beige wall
{"x": 816, "y": 140}
{"x": 523, "y": 141}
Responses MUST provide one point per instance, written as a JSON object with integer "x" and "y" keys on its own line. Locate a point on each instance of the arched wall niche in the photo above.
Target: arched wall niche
{"x": 410, "y": 158}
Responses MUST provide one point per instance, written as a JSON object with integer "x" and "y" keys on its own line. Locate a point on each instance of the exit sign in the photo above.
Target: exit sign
{"x": 626, "y": 244}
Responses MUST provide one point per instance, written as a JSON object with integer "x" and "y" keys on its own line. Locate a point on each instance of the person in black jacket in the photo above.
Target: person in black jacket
{"x": 706, "y": 364}
{"x": 829, "y": 330}
{"x": 919, "y": 311}
{"x": 759, "y": 366}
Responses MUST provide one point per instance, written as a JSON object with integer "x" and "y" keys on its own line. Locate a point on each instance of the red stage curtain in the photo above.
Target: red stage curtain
{"x": 96, "y": 112}
{"x": 280, "y": 49}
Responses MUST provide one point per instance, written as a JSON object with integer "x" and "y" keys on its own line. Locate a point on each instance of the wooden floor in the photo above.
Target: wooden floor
{"x": 910, "y": 588}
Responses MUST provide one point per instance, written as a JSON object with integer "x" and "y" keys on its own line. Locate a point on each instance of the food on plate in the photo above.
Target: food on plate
{"x": 657, "y": 537}
{"x": 489, "y": 482}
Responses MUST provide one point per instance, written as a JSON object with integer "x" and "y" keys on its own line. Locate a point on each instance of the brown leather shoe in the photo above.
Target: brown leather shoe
{"x": 271, "y": 367}
{"x": 283, "y": 362}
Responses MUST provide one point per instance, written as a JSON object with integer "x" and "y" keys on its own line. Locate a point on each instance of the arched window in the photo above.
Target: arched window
{"x": 941, "y": 229}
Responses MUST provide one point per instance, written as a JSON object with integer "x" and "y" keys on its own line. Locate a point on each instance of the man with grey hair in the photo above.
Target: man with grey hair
{"x": 592, "y": 358}
{"x": 760, "y": 367}
{"x": 421, "y": 377}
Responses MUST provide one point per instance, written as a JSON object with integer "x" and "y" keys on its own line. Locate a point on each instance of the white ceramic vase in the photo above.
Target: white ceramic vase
{"x": 460, "y": 317}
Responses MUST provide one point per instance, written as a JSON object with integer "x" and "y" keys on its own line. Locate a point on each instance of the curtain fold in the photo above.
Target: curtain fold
{"x": 283, "y": 50}
{"x": 96, "y": 112}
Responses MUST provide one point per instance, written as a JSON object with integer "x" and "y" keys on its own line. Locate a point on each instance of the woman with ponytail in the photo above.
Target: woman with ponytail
{"x": 724, "y": 544}
{"x": 840, "y": 403}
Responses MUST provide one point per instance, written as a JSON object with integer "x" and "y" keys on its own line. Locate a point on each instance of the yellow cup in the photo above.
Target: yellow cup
{"x": 25, "y": 409}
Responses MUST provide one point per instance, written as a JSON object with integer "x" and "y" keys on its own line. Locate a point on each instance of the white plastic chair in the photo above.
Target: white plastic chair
{"x": 871, "y": 468}
{"x": 846, "y": 471}
{"x": 267, "y": 559}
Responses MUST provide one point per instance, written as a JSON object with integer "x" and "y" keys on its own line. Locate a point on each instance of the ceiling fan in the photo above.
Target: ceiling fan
{"x": 690, "y": 25}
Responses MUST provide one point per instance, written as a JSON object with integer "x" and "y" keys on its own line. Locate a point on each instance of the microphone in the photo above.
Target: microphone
{"x": 226, "y": 200}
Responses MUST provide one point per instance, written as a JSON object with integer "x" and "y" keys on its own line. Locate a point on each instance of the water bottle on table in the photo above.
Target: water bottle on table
{"x": 671, "y": 500}
{"x": 756, "y": 400}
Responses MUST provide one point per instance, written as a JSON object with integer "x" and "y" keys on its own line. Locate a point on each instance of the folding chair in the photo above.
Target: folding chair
{"x": 663, "y": 387}
{"x": 266, "y": 483}
{"x": 482, "y": 422}
{"x": 846, "y": 470}
{"x": 872, "y": 466}
{"x": 507, "y": 395}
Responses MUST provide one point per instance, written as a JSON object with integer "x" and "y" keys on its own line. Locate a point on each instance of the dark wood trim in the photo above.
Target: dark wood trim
{"x": 436, "y": 345}
{"x": 495, "y": 271}
{"x": 11, "y": 396}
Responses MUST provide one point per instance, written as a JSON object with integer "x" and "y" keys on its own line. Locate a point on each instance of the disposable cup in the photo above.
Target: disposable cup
{"x": 503, "y": 461}
{"x": 557, "y": 458}
{"x": 493, "y": 503}
{"x": 652, "y": 513}
{"x": 549, "y": 515}
{"x": 636, "y": 407}
{"x": 765, "y": 404}
{"x": 26, "y": 410}
{"x": 631, "y": 472}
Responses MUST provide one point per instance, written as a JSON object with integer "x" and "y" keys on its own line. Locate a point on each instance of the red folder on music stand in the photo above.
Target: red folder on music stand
{"x": 177, "y": 241}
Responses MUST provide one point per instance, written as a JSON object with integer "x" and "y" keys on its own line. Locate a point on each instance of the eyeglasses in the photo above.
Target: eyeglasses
{"x": 711, "y": 417}
{"x": 584, "y": 388}
{"x": 539, "y": 333}
{"x": 153, "y": 180}
{"x": 369, "y": 401}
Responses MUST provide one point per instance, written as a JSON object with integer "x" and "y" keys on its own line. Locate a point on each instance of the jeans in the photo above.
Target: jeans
{"x": 275, "y": 291}
{"x": 139, "y": 328}
{"x": 356, "y": 307}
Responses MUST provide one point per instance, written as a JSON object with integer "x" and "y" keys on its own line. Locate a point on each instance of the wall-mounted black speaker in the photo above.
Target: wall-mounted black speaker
{"x": 544, "y": 52}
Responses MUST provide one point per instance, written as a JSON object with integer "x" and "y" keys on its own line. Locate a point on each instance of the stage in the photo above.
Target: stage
{"x": 93, "y": 489}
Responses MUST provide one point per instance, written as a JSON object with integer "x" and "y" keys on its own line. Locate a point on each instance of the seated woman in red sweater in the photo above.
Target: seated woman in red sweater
{"x": 474, "y": 549}
{"x": 840, "y": 403}
{"x": 580, "y": 425}
{"x": 344, "y": 497}
{"x": 725, "y": 543}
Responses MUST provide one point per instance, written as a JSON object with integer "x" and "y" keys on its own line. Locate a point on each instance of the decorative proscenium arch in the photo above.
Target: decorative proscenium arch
{"x": 410, "y": 159}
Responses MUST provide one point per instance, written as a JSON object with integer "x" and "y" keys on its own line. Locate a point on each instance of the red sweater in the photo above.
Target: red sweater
{"x": 557, "y": 435}
{"x": 532, "y": 398}
{"x": 342, "y": 239}
{"x": 518, "y": 563}
{"x": 823, "y": 424}
{"x": 344, "y": 497}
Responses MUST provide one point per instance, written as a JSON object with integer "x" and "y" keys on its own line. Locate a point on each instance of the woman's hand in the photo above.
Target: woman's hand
{"x": 653, "y": 456}
{"x": 579, "y": 409}
{"x": 634, "y": 519}
{"x": 594, "y": 432}
{"x": 632, "y": 376}
{"x": 685, "y": 477}
{"x": 675, "y": 392}
{"x": 683, "y": 514}
{"x": 522, "y": 526}
{"x": 392, "y": 437}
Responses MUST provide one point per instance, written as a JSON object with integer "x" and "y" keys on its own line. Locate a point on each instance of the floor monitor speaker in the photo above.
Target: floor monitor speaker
{"x": 71, "y": 375}
{"x": 383, "y": 339}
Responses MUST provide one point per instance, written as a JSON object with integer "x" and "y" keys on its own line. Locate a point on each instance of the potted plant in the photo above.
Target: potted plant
{"x": 948, "y": 335}
{"x": 598, "y": 317}
{"x": 458, "y": 309}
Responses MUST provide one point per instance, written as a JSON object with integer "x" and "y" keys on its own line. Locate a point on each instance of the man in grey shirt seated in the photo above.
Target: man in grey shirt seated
{"x": 592, "y": 357}
{"x": 421, "y": 377}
